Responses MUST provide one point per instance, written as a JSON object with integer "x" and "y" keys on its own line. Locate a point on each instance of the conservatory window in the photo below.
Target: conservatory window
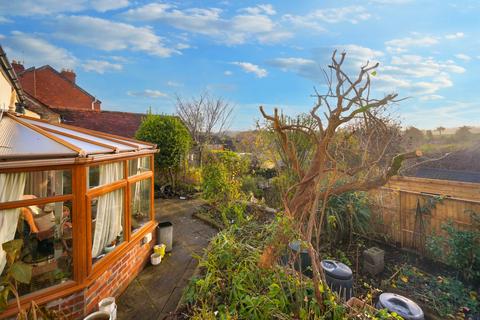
{"x": 107, "y": 223}
{"x": 45, "y": 230}
{"x": 104, "y": 174}
{"x": 140, "y": 203}
{"x": 138, "y": 165}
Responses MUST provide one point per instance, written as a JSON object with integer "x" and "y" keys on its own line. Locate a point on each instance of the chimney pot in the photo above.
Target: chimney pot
{"x": 17, "y": 66}
{"x": 69, "y": 74}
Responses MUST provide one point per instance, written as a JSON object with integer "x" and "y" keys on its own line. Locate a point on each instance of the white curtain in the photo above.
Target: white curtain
{"x": 108, "y": 224}
{"x": 12, "y": 186}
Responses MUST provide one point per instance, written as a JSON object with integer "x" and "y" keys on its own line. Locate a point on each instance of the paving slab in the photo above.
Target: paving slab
{"x": 155, "y": 293}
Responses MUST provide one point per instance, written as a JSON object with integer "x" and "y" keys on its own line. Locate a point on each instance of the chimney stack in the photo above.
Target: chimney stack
{"x": 69, "y": 74}
{"x": 17, "y": 66}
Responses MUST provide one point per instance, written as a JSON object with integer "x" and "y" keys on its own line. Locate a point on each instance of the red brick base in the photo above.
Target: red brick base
{"x": 109, "y": 284}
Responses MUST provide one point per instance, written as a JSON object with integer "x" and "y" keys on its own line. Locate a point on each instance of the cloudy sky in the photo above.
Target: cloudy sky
{"x": 135, "y": 54}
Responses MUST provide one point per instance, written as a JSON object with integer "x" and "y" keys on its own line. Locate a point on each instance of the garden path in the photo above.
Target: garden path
{"x": 157, "y": 289}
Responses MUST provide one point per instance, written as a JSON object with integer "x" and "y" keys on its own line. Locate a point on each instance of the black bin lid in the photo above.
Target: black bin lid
{"x": 403, "y": 306}
{"x": 336, "y": 269}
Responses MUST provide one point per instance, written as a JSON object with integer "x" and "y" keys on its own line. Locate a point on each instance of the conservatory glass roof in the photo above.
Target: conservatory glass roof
{"x": 24, "y": 138}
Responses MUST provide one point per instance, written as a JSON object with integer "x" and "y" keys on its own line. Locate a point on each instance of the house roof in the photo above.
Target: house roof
{"x": 448, "y": 174}
{"x": 124, "y": 124}
{"x": 25, "y": 138}
{"x": 45, "y": 67}
{"x": 35, "y": 105}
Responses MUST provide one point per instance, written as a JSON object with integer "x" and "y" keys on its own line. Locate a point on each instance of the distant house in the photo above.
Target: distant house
{"x": 55, "y": 89}
{"x": 55, "y": 96}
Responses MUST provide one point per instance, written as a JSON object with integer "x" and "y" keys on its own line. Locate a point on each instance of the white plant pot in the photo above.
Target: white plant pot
{"x": 108, "y": 305}
{"x": 155, "y": 259}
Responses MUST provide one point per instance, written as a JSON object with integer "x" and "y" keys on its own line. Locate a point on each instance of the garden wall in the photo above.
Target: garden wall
{"x": 395, "y": 214}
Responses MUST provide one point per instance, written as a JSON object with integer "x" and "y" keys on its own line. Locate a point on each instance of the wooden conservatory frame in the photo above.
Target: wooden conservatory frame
{"x": 84, "y": 271}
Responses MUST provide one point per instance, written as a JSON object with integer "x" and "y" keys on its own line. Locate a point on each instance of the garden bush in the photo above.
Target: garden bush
{"x": 221, "y": 175}
{"x": 346, "y": 214}
{"x": 250, "y": 186}
{"x": 459, "y": 249}
{"x": 171, "y": 137}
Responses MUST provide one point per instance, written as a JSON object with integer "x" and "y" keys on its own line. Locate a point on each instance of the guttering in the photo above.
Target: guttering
{"x": 11, "y": 74}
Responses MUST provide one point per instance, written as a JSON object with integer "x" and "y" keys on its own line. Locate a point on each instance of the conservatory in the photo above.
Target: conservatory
{"x": 80, "y": 200}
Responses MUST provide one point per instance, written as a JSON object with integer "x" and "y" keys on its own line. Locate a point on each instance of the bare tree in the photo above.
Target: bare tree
{"x": 355, "y": 150}
{"x": 204, "y": 116}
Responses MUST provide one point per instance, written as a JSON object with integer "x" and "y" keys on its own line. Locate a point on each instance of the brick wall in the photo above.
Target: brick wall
{"x": 111, "y": 283}
{"x": 56, "y": 91}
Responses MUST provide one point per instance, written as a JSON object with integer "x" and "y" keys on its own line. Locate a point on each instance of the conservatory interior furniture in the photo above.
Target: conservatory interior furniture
{"x": 77, "y": 198}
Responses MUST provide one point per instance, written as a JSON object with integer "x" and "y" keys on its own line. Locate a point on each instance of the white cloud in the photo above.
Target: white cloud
{"x": 239, "y": 29}
{"x": 456, "y": 35}
{"x": 5, "y": 20}
{"x": 174, "y": 84}
{"x": 252, "y": 68}
{"x": 432, "y": 97}
{"x": 109, "y": 36}
{"x": 316, "y": 19}
{"x": 148, "y": 93}
{"x": 463, "y": 56}
{"x": 260, "y": 9}
{"x": 50, "y": 7}
{"x": 417, "y": 75}
{"x": 301, "y": 66}
{"x": 418, "y": 41}
{"x": 101, "y": 66}
{"x": 388, "y": 2}
{"x": 228, "y": 73}
{"x": 33, "y": 50}
{"x": 358, "y": 56}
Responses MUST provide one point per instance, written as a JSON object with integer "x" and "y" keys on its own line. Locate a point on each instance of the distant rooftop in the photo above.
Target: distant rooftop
{"x": 123, "y": 124}
{"x": 447, "y": 174}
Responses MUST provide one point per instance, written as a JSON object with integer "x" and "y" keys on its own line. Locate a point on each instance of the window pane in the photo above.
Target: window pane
{"x": 140, "y": 204}
{"x": 107, "y": 223}
{"x": 105, "y": 174}
{"x": 139, "y": 165}
{"x": 34, "y": 184}
{"x": 46, "y": 233}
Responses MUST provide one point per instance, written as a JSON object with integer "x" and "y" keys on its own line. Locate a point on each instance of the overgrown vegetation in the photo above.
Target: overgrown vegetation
{"x": 222, "y": 176}
{"x": 232, "y": 286}
{"x": 459, "y": 248}
{"x": 445, "y": 295}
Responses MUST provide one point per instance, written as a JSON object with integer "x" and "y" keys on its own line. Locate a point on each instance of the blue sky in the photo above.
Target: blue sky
{"x": 135, "y": 54}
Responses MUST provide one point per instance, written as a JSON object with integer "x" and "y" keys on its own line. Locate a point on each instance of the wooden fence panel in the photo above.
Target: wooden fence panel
{"x": 395, "y": 214}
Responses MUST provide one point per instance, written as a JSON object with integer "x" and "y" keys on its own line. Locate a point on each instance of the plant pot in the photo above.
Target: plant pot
{"x": 160, "y": 249}
{"x": 99, "y": 315}
{"x": 108, "y": 305}
{"x": 109, "y": 249}
{"x": 155, "y": 259}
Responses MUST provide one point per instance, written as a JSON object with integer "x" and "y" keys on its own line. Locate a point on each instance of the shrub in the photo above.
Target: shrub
{"x": 221, "y": 175}
{"x": 171, "y": 137}
{"x": 346, "y": 214}
{"x": 463, "y": 248}
{"x": 250, "y": 186}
